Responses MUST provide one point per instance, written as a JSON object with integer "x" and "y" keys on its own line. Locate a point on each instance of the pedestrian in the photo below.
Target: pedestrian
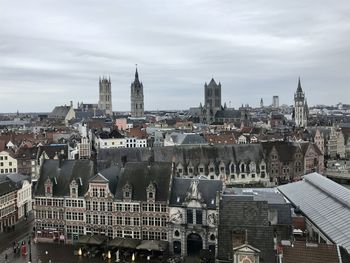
{"x": 6, "y": 257}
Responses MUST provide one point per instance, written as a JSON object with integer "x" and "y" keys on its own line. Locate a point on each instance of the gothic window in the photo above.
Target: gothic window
{"x": 127, "y": 191}
{"x": 242, "y": 168}
{"x": 74, "y": 189}
{"x": 151, "y": 192}
{"x": 48, "y": 188}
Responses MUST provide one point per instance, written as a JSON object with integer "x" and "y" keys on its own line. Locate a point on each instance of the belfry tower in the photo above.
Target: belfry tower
{"x": 137, "y": 103}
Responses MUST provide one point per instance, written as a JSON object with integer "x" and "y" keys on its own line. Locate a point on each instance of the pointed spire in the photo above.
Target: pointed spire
{"x": 299, "y": 86}
{"x": 136, "y": 73}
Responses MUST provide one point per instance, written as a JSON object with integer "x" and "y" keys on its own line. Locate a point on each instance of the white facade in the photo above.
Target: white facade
{"x": 120, "y": 143}
{"x": 8, "y": 164}
{"x": 24, "y": 199}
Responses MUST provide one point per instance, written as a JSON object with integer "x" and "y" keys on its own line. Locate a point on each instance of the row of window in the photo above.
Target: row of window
{"x": 3, "y": 158}
{"x": 127, "y": 207}
{"x": 9, "y": 163}
{"x": 43, "y": 214}
{"x": 154, "y": 221}
{"x": 10, "y": 197}
{"x": 74, "y": 216}
{"x": 99, "y": 219}
{"x": 10, "y": 170}
{"x": 7, "y": 210}
{"x": 154, "y": 208}
{"x": 128, "y": 221}
{"x": 49, "y": 202}
{"x": 99, "y": 206}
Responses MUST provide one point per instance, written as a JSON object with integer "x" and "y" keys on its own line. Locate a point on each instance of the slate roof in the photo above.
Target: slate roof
{"x": 184, "y": 154}
{"x": 59, "y": 112}
{"x": 228, "y": 114}
{"x": 64, "y": 172}
{"x": 274, "y": 199}
{"x": 207, "y": 188}
{"x": 112, "y": 176}
{"x": 325, "y": 203}
{"x": 187, "y": 138}
{"x": 140, "y": 174}
{"x": 7, "y": 185}
{"x": 305, "y": 253}
{"x": 53, "y": 150}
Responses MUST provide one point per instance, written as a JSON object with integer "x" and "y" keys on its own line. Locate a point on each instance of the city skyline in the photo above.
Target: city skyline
{"x": 52, "y": 54}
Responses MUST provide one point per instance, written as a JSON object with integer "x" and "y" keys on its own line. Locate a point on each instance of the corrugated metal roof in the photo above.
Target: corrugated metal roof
{"x": 325, "y": 203}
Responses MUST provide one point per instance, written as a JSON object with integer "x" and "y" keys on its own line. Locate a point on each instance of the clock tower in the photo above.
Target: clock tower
{"x": 300, "y": 107}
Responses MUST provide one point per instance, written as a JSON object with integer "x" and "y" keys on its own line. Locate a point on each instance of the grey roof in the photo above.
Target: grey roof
{"x": 140, "y": 174}
{"x": 59, "y": 112}
{"x": 18, "y": 178}
{"x": 187, "y": 138}
{"x": 201, "y": 154}
{"x": 229, "y": 114}
{"x": 325, "y": 203}
{"x": 62, "y": 173}
{"x": 7, "y": 185}
{"x": 112, "y": 176}
{"x": 207, "y": 188}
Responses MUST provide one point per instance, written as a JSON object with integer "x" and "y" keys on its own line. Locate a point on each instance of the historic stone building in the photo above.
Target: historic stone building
{"x": 212, "y": 101}
{"x": 193, "y": 215}
{"x": 137, "y": 99}
{"x": 232, "y": 164}
{"x": 301, "y": 110}
{"x": 105, "y": 96}
{"x": 59, "y": 204}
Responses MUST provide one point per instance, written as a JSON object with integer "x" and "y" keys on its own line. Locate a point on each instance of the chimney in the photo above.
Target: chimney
{"x": 71, "y": 104}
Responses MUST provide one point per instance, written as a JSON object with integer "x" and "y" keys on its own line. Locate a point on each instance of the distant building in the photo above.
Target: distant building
{"x": 8, "y": 164}
{"x": 275, "y": 102}
{"x": 63, "y": 113}
{"x": 212, "y": 101}
{"x": 105, "y": 96}
{"x": 137, "y": 99}
{"x": 301, "y": 110}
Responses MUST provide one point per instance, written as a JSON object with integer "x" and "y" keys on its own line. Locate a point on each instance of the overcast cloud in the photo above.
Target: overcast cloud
{"x": 53, "y": 51}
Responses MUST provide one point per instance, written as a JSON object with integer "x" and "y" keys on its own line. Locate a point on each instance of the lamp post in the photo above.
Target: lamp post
{"x": 30, "y": 250}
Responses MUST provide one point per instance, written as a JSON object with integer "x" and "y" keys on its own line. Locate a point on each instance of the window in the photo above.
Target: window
{"x": 119, "y": 220}
{"x": 127, "y": 207}
{"x": 109, "y": 208}
{"x": 177, "y": 233}
{"x": 95, "y": 219}
{"x": 136, "y": 208}
{"x": 189, "y": 216}
{"x": 127, "y": 221}
{"x": 102, "y": 206}
{"x": 157, "y": 221}
{"x": 109, "y": 218}
{"x": 199, "y": 217}
{"x": 102, "y": 192}
{"x": 150, "y": 195}
{"x": 119, "y": 207}
{"x": 88, "y": 206}
{"x": 103, "y": 220}
{"x": 136, "y": 221}
{"x": 94, "y": 206}
{"x": 94, "y": 192}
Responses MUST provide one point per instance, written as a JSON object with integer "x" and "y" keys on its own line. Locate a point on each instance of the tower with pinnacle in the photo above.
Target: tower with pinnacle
{"x": 300, "y": 107}
{"x": 137, "y": 102}
{"x": 212, "y": 100}
{"x": 105, "y": 95}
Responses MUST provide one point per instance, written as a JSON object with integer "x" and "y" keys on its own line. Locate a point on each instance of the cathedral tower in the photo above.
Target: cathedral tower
{"x": 137, "y": 104}
{"x": 300, "y": 107}
{"x": 105, "y": 95}
{"x": 212, "y": 100}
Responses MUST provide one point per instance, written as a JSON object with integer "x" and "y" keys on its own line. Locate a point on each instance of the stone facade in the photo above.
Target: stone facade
{"x": 105, "y": 96}
{"x": 137, "y": 98}
{"x": 300, "y": 107}
{"x": 212, "y": 101}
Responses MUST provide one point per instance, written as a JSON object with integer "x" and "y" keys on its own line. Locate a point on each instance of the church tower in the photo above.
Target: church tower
{"x": 105, "y": 96}
{"x": 137, "y": 104}
{"x": 300, "y": 107}
{"x": 212, "y": 100}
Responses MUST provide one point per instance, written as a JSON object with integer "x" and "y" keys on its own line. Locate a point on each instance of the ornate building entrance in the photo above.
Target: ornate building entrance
{"x": 194, "y": 244}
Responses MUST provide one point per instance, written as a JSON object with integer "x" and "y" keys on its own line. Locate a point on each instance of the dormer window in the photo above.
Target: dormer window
{"x": 74, "y": 189}
{"x": 48, "y": 188}
{"x": 127, "y": 191}
{"x": 151, "y": 192}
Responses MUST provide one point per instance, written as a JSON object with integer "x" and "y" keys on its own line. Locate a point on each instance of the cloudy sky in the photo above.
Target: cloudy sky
{"x": 53, "y": 51}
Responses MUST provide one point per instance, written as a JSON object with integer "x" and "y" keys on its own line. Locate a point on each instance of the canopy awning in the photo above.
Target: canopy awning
{"x": 92, "y": 240}
{"x": 124, "y": 242}
{"x": 153, "y": 245}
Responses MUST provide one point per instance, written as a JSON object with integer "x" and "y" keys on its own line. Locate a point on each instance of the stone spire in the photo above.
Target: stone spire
{"x": 299, "y": 89}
